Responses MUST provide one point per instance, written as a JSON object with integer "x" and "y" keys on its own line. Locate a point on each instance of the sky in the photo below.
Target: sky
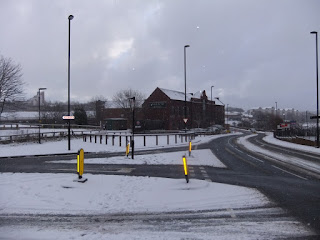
{"x": 254, "y": 52}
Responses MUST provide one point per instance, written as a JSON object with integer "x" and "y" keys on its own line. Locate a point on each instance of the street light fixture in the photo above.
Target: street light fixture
{"x": 39, "y": 112}
{"x": 185, "y": 87}
{"x": 316, "y": 33}
{"x": 69, "y": 142}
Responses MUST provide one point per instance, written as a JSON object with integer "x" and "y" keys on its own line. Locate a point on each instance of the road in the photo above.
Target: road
{"x": 294, "y": 194}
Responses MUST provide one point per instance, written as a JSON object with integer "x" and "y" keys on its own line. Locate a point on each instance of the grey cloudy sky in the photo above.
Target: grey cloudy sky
{"x": 254, "y": 52}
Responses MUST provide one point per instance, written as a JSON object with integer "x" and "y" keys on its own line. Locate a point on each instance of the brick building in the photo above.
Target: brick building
{"x": 165, "y": 109}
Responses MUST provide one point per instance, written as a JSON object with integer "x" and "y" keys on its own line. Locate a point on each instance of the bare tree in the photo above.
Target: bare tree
{"x": 11, "y": 84}
{"x": 120, "y": 99}
{"x": 54, "y": 113}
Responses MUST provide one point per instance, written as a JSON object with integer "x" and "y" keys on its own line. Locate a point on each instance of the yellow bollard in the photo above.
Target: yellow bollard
{"x": 127, "y": 149}
{"x": 190, "y": 148}
{"x": 80, "y": 166}
{"x": 185, "y": 167}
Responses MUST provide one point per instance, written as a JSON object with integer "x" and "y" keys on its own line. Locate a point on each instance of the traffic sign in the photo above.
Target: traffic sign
{"x": 314, "y": 117}
{"x": 68, "y": 117}
{"x": 185, "y": 120}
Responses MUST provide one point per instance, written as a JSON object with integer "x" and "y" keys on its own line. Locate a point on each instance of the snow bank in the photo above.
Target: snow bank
{"x": 270, "y": 139}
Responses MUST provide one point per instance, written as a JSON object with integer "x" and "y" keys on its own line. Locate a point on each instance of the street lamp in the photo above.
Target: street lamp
{"x": 276, "y": 108}
{"x": 316, "y": 33}
{"x": 133, "y": 126}
{"x": 39, "y": 112}
{"x": 69, "y": 143}
{"x": 185, "y": 87}
{"x": 211, "y": 106}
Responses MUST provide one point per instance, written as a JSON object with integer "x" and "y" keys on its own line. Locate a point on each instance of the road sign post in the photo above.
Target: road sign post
{"x": 69, "y": 118}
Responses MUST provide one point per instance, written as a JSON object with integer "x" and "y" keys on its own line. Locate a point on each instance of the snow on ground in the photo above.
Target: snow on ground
{"x": 203, "y": 157}
{"x": 55, "y": 147}
{"x": 183, "y": 229}
{"x": 105, "y": 194}
{"x": 312, "y": 166}
{"x": 58, "y": 194}
{"x": 270, "y": 139}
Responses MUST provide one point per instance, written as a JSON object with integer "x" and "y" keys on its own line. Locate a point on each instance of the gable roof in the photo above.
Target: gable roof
{"x": 175, "y": 95}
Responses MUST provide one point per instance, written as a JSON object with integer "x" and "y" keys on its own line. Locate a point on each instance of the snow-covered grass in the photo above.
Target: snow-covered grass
{"x": 203, "y": 157}
{"x": 105, "y": 194}
{"x": 270, "y": 139}
{"x": 312, "y": 166}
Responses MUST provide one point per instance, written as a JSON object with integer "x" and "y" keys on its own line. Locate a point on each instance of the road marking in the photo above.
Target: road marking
{"x": 289, "y": 172}
{"x": 255, "y": 158}
{"x": 237, "y": 156}
{"x": 245, "y": 153}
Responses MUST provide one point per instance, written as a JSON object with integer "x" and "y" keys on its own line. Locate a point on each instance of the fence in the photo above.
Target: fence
{"x": 123, "y": 139}
{"x": 35, "y": 136}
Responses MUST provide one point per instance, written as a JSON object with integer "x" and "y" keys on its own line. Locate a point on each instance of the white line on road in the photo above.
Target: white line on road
{"x": 255, "y": 158}
{"x": 289, "y": 172}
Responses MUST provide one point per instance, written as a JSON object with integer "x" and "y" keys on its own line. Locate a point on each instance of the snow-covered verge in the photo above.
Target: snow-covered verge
{"x": 203, "y": 157}
{"x": 105, "y": 194}
{"x": 312, "y": 166}
{"x": 57, "y": 195}
{"x": 270, "y": 139}
{"x": 56, "y": 147}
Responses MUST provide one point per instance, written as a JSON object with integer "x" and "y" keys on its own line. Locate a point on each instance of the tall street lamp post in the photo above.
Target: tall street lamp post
{"x": 211, "y": 107}
{"x": 69, "y": 142}
{"x": 39, "y": 112}
{"x": 133, "y": 126}
{"x": 316, "y": 33}
{"x": 227, "y": 114}
{"x": 185, "y": 88}
{"x": 276, "y": 108}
